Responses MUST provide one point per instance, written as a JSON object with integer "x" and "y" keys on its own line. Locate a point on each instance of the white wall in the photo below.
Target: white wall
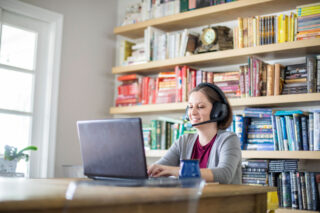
{"x": 86, "y": 83}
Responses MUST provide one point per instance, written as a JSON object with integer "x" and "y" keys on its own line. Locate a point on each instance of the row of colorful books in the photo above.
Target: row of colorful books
{"x": 297, "y": 187}
{"x": 266, "y": 129}
{"x": 160, "y": 134}
{"x": 255, "y": 79}
{"x": 149, "y": 9}
{"x": 256, "y": 31}
{"x": 171, "y": 87}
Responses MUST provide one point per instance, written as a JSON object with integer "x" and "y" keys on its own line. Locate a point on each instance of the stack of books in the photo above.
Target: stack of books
{"x": 255, "y": 172}
{"x": 259, "y": 132}
{"x": 295, "y": 81}
{"x": 308, "y": 21}
{"x": 129, "y": 92}
{"x": 166, "y": 87}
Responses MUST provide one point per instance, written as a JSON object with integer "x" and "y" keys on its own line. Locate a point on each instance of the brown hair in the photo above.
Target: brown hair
{"x": 213, "y": 96}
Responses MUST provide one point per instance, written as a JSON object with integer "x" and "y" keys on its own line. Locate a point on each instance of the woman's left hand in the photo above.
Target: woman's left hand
{"x": 157, "y": 170}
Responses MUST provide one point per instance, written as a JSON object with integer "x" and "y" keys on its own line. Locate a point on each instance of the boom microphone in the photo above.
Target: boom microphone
{"x": 205, "y": 122}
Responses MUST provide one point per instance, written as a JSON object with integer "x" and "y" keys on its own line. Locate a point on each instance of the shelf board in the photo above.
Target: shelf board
{"x": 228, "y": 57}
{"x": 210, "y": 15}
{"x": 280, "y": 100}
{"x": 307, "y": 155}
{"x": 155, "y": 153}
{"x": 283, "y": 210}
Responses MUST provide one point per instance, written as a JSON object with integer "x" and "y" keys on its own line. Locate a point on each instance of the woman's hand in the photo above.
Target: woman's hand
{"x": 157, "y": 170}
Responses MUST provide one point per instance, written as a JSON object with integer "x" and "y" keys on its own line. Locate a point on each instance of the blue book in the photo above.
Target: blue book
{"x": 274, "y": 133}
{"x": 240, "y": 129}
{"x": 256, "y": 109}
{"x": 288, "y": 112}
{"x": 289, "y": 133}
{"x": 284, "y": 133}
{"x": 279, "y": 134}
{"x": 304, "y": 133}
{"x": 294, "y": 142}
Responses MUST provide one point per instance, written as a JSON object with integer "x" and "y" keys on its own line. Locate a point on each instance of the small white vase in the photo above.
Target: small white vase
{"x": 8, "y": 166}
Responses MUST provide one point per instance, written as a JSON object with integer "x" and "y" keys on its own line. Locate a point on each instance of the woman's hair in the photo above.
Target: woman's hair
{"x": 213, "y": 96}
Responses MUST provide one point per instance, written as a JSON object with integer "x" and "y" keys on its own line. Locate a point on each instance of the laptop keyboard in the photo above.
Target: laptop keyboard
{"x": 163, "y": 182}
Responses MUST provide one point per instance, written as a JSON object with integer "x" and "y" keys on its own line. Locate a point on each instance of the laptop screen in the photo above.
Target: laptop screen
{"x": 112, "y": 148}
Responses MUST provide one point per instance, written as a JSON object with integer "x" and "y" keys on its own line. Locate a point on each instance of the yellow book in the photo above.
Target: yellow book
{"x": 240, "y": 32}
{"x": 279, "y": 28}
{"x": 258, "y": 30}
{"x": 283, "y": 28}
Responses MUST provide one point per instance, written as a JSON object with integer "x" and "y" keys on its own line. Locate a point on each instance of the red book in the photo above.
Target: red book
{"x": 178, "y": 84}
{"x": 128, "y": 77}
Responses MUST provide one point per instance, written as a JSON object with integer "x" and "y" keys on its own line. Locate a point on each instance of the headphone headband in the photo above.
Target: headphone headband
{"x": 216, "y": 89}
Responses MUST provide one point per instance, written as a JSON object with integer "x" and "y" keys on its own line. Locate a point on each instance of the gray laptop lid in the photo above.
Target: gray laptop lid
{"x": 112, "y": 148}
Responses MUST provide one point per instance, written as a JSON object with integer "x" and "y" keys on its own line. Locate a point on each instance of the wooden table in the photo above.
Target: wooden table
{"x": 48, "y": 195}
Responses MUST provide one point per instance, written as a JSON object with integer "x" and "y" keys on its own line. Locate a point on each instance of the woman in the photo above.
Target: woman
{"x": 217, "y": 150}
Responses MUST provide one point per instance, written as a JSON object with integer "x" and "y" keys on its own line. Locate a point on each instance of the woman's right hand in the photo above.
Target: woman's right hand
{"x": 157, "y": 170}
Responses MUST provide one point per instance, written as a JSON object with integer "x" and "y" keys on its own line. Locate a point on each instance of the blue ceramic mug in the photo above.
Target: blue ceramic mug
{"x": 189, "y": 169}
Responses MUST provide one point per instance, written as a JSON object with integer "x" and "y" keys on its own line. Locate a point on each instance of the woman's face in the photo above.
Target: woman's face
{"x": 199, "y": 108}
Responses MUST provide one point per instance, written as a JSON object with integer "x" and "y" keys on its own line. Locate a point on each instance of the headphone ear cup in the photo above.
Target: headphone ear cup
{"x": 186, "y": 114}
{"x": 219, "y": 111}
{"x": 215, "y": 112}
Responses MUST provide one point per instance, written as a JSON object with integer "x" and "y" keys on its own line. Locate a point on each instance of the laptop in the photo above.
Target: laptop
{"x": 113, "y": 151}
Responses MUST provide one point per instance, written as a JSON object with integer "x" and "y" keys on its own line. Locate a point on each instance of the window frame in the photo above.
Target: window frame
{"x": 45, "y": 109}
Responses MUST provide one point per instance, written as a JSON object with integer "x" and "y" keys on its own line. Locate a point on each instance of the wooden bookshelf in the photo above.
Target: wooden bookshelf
{"x": 211, "y": 15}
{"x": 307, "y": 155}
{"x": 228, "y": 57}
{"x": 282, "y": 210}
{"x": 280, "y": 100}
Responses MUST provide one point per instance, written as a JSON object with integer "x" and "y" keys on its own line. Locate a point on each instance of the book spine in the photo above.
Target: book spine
{"x": 311, "y": 71}
{"x": 279, "y": 133}
{"x": 286, "y": 188}
{"x": 314, "y": 196}
{"x": 316, "y": 131}
{"x": 274, "y": 133}
{"x": 154, "y": 134}
{"x": 304, "y": 131}
{"x": 279, "y": 190}
{"x": 311, "y": 143}
{"x": 318, "y": 73}
{"x": 308, "y": 190}
{"x": 297, "y": 129}
{"x": 270, "y": 79}
{"x": 277, "y": 79}
{"x": 240, "y": 32}
{"x": 300, "y": 205}
{"x": 294, "y": 190}
{"x": 289, "y": 134}
{"x": 284, "y": 133}
{"x": 303, "y": 190}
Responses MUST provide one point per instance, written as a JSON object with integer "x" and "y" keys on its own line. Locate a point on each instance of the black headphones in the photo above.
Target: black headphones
{"x": 219, "y": 109}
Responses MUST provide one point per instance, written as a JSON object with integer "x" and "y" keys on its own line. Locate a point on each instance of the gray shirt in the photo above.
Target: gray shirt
{"x": 224, "y": 159}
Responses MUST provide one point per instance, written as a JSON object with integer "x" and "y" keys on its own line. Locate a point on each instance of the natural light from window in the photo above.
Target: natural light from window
{"x": 17, "y": 59}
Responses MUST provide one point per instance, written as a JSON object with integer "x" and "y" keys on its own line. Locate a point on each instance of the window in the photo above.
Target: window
{"x": 29, "y": 60}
